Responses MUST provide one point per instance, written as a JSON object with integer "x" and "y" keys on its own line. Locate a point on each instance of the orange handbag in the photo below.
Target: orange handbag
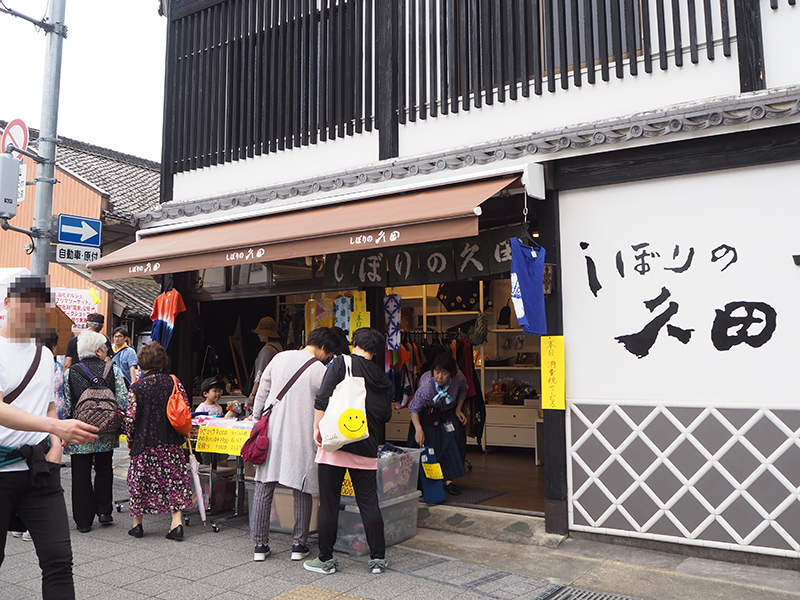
{"x": 178, "y": 412}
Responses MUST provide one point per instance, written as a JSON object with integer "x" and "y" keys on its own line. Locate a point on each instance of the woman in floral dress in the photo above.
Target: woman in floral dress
{"x": 157, "y": 479}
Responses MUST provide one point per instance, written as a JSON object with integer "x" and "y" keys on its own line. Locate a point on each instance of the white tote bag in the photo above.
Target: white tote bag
{"x": 345, "y": 419}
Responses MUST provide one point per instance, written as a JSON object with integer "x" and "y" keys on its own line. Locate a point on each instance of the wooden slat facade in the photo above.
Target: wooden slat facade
{"x": 254, "y": 77}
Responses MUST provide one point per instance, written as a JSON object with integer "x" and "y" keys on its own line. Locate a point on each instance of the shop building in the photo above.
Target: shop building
{"x": 313, "y": 147}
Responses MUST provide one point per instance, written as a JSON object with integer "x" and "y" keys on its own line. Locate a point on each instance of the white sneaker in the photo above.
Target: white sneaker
{"x": 260, "y": 552}
{"x": 27, "y": 536}
{"x": 17, "y": 534}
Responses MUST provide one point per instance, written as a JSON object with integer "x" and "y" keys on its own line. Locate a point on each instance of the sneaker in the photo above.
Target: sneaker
{"x": 27, "y": 536}
{"x": 299, "y": 552}
{"x": 326, "y": 567}
{"x": 260, "y": 552}
{"x": 377, "y": 565}
{"x": 17, "y": 534}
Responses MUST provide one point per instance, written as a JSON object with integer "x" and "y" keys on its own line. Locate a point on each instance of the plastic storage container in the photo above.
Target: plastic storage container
{"x": 399, "y": 521}
{"x": 282, "y": 515}
{"x": 397, "y": 475}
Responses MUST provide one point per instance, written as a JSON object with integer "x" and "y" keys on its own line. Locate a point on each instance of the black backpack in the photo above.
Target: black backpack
{"x": 97, "y": 404}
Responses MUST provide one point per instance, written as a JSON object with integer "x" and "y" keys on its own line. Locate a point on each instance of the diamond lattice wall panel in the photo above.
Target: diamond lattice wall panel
{"x": 714, "y": 476}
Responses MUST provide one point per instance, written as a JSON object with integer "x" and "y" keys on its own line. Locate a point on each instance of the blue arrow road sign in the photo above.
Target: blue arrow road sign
{"x": 79, "y": 230}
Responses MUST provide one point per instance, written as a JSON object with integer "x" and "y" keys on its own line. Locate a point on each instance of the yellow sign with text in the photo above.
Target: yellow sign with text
{"x": 359, "y": 302}
{"x": 433, "y": 470}
{"x": 222, "y": 440}
{"x": 357, "y": 321}
{"x": 553, "y": 394}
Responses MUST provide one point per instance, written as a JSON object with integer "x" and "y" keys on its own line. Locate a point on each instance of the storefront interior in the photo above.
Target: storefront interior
{"x": 503, "y": 460}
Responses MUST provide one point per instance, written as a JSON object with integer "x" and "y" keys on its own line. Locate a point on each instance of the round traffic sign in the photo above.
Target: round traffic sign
{"x": 16, "y": 133}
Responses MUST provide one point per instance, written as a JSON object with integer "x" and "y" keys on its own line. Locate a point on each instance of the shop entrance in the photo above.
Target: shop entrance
{"x": 504, "y": 429}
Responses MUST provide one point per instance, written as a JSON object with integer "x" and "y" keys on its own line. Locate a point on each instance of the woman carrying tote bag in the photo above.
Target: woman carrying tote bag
{"x": 360, "y": 457}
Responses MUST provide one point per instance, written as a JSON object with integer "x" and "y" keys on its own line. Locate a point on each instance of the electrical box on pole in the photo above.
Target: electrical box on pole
{"x": 9, "y": 186}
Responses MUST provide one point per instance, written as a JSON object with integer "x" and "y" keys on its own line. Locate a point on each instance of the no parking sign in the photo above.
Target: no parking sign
{"x": 16, "y": 133}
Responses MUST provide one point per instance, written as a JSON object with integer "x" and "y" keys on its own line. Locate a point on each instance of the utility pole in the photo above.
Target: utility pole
{"x": 46, "y": 175}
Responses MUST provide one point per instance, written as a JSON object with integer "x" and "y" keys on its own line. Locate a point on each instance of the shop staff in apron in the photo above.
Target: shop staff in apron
{"x": 267, "y": 332}
{"x": 30, "y": 460}
{"x": 437, "y": 418}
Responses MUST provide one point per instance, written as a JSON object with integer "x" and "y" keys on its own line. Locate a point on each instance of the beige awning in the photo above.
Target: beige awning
{"x": 414, "y": 218}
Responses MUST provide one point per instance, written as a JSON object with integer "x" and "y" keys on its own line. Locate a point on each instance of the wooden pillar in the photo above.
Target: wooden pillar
{"x": 554, "y": 454}
{"x": 750, "y": 45}
{"x": 386, "y": 78}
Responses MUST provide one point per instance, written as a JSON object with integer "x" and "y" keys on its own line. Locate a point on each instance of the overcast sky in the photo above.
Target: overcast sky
{"x": 112, "y": 72}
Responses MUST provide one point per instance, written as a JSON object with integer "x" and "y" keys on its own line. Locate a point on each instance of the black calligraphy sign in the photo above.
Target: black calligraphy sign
{"x": 403, "y": 263}
{"x": 436, "y": 262}
{"x": 498, "y": 249}
{"x": 471, "y": 257}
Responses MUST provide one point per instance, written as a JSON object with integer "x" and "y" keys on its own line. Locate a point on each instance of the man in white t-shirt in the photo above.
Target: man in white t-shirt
{"x": 30, "y": 459}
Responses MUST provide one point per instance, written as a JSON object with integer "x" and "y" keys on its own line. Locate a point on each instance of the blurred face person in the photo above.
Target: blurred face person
{"x": 24, "y": 315}
{"x": 119, "y": 339}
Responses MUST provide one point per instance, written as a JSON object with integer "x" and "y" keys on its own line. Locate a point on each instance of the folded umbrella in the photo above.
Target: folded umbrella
{"x": 194, "y": 468}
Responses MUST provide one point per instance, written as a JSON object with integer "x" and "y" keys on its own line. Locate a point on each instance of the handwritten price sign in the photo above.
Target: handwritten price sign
{"x": 222, "y": 440}
{"x": 553, "y": 395}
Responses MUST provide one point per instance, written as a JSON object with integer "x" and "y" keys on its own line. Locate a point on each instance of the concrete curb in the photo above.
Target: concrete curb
{"x": 503, "y": 527}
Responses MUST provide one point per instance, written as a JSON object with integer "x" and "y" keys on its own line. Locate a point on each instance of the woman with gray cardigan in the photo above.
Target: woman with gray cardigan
{"x": 290, "y": 456}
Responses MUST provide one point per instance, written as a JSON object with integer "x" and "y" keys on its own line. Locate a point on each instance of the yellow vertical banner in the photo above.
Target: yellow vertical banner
{"x": 553, "y": 394}
{"x": 360, "y": 303}
{"x": 358, "y": 320}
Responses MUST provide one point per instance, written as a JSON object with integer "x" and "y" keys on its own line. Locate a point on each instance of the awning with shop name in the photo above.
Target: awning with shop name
{"x": 436, "y": 214}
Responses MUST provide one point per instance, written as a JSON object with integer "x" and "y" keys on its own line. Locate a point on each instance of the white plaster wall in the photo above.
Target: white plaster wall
{"x": 242, "y": 176}
{"x": 756, "y": 210}
{"x": 781, "y": 44}
{"x": 564, "y": 108}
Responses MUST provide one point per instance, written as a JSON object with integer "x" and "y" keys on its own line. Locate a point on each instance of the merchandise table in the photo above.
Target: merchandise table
{"x": 223, "y": 436}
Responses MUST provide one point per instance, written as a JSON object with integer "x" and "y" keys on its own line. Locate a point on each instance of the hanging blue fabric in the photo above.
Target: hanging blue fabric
{"x": 527, "y": 292}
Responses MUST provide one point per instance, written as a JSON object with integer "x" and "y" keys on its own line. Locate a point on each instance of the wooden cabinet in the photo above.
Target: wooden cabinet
{"x": 512, "y": 426}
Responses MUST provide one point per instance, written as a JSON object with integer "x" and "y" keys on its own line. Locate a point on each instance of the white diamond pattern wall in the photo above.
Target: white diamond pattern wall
{"x": 712, "y": 476}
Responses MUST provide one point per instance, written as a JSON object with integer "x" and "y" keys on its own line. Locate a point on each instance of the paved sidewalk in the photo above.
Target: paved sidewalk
{"x": 436, "y": 565}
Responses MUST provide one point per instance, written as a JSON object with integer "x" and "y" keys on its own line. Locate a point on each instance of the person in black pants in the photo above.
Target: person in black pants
{"x": 361, "y": 458}
{"x": 93, "y": 498}
{"x": 30, "y": 459}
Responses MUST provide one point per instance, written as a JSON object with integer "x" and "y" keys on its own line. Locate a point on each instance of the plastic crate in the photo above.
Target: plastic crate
{"x": 397, "y": 475}
{"x": 282, "y": 514}
{"x": 399, "y": 521}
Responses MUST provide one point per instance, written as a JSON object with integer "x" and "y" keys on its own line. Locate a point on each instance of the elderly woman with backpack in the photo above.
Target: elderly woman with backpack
{"x": 93, "y": 389}
{"x": 157, "y": 478}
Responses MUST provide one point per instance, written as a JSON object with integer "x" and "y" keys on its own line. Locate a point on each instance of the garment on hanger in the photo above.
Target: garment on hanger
{"x": 167, "y": 306}
{"x": 391, "y": 309}
{"x": 323, "y": 314}
{"x": 310, "y": 310}
{"x": 342, "y": 308}
{"x": 527, "y": 292}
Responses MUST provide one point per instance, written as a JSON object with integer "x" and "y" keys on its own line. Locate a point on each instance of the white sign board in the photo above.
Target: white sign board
{"x": 21, "y": 185}
{"x": 677, "y": 288}
{"x": 68, "y": 254}
{"x": 76, "y": 304}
